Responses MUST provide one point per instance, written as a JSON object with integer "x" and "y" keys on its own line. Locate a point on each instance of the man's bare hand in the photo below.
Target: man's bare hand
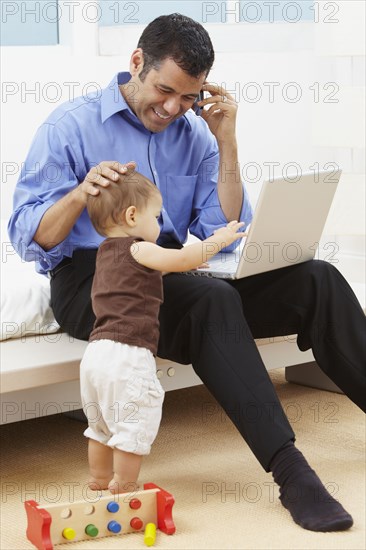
{"x": 102, "y": 175}
{"x": 221, "y": 114}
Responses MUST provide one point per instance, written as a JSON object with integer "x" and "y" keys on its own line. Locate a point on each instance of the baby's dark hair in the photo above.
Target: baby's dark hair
{"x": 106, "y": 208}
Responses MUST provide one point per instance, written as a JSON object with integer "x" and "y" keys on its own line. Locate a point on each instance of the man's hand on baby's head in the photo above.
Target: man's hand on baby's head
{"x": 231, "y": 232}
{"x": 103, "y": 174}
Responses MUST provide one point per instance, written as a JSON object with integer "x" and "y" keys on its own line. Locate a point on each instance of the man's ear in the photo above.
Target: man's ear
{"x": 130, "y": 216}
{"x": 137, "y": 61}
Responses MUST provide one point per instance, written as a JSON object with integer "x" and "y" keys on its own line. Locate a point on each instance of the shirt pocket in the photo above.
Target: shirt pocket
{"x": 178, "y": 199}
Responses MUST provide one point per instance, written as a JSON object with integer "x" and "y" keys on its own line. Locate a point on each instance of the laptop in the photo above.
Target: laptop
{"x": 286, "y": 228}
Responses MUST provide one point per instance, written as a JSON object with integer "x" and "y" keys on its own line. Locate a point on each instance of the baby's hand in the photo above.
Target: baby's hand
{"x": 230, "y": 233}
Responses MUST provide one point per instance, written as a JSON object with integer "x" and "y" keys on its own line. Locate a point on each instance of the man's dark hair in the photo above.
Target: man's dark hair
{"x": 179, "y": 38}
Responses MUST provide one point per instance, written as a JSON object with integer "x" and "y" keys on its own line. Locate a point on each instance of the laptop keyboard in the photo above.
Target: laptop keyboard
{"x": 224, "y": 266}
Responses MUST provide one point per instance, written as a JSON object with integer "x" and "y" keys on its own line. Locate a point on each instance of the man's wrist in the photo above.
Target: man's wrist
{"x": 80, "y": 196}
{"x": 229, "y": 146}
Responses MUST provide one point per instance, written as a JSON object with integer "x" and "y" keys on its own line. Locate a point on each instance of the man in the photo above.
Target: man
{"x": 146, "y": 116}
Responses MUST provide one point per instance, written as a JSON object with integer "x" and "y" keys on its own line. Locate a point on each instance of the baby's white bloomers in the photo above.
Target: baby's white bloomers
{"x": 121, "y": 395}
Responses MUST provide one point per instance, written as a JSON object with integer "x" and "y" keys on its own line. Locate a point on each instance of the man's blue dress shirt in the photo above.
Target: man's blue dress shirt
{"x": 182, "y": 160}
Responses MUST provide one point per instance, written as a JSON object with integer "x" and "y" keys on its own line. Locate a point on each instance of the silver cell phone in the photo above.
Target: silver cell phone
{"x": 196, "y": 108}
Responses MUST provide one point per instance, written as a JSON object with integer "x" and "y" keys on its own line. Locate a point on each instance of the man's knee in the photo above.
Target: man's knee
{"x": 319, "y": 269}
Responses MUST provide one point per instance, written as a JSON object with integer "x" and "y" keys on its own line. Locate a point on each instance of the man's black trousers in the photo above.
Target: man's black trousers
{"x": 212, "y": 324}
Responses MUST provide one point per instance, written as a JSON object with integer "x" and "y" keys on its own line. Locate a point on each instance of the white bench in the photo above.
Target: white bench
{"x": 40, "y": 374}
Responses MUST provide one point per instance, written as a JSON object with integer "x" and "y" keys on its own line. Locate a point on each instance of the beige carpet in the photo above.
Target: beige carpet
{"x": 45, "y": 460}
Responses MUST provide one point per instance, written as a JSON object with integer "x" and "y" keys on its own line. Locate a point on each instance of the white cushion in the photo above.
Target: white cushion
{"x": 25, "y": 295}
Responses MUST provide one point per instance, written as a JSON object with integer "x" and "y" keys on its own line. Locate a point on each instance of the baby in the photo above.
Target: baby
{"x": 121, "y": 394}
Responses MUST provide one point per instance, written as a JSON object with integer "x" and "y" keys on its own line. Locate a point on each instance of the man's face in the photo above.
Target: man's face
{"x": 165, "y": 95}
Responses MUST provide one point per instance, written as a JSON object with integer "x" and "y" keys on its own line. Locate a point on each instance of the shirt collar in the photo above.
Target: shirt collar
{"x": 112, "y": 101}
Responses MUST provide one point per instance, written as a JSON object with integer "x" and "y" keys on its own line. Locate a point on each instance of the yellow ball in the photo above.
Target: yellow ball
{"x": 68, "y": 533}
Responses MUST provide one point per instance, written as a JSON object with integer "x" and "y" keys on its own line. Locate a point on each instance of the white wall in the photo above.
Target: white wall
{"x": 312, "y": 59}
{"x": 278, "y": 131}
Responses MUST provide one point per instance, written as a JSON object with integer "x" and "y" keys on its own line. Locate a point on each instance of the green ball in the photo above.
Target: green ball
{"x": 91, "y": 530}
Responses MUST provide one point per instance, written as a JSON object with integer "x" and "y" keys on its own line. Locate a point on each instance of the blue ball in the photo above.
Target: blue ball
{"x": 113, "y": 507}
{"x": 114, "y": 526}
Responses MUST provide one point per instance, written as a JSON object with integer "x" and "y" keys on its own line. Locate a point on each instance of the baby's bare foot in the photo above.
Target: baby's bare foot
{"x": 98, "y": 484}
{"x": 118, "y": 487}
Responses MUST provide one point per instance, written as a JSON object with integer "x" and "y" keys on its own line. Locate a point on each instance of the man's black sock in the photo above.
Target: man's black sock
{"x": 304, "y": 495}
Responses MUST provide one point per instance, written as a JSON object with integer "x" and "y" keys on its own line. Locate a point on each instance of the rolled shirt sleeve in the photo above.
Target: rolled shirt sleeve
{"x": 48, "y": 173}
{"x": 207, "y": 210}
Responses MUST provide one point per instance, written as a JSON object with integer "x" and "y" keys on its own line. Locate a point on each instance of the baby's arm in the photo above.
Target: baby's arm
{"x": 189, "y": 257}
